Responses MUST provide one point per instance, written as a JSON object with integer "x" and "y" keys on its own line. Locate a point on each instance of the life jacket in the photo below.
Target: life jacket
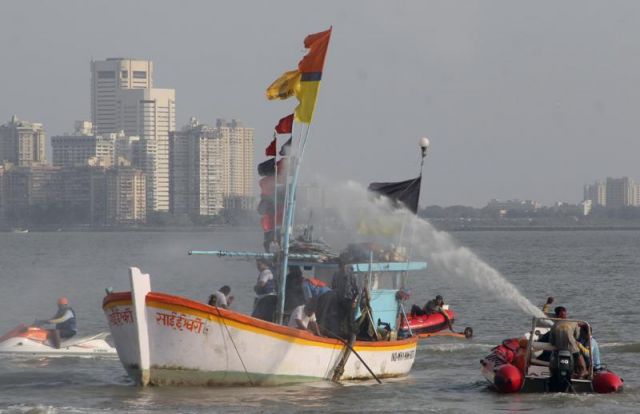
{"x": 316, "y": 282}
{"x": 69, "y": 324}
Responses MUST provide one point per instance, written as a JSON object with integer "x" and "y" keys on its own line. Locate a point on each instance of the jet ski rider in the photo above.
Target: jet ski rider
{"x": 65, "y": 321}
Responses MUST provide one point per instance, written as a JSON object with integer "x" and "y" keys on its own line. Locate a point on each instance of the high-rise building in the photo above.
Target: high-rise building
{"x": 22, "y": 143}
{"x": 620, "y": 192}
{"x": 211, "y": 168}
{"x": 125, "y": 196}
{"x": 123, "y": 98}
{"x": 107, "y": 78}
{"x": 238, "y": 165}
{"x": 597, "y": 193}
{"x": 151, "y": 115}
{"x": 196, "y": 169}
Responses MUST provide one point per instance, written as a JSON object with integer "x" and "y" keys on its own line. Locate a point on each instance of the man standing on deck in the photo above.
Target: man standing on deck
{"x": 564, "y": 335}
{"x": 265, "y": 284}
{"x": 264, "y": 306}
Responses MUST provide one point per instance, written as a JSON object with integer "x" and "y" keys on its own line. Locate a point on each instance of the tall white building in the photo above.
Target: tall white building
{"x": 151, "y": 115}
{"x": 237, "y": 163}
{"x": 197, "y": 187}
{"x": 123, "y": 98}
{"x": 107, "y": 78}
{"x": 211, "y": 168}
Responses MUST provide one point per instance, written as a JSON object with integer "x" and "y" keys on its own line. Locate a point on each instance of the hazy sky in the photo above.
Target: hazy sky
{"x": 520, "y": 99}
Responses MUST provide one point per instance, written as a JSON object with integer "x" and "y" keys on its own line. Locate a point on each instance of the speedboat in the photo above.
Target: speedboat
{"x": 34, "y": 340}
{"x": 434, "y": 324}
{"x": 532, "y": 364}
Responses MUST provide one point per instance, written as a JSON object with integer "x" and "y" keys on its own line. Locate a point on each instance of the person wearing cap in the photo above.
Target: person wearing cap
{"x": 65, "y": 321}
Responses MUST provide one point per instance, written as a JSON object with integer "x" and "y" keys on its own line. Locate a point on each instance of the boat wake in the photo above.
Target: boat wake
{"x": 622, "y": 347}
{"x": 455, "y": 347}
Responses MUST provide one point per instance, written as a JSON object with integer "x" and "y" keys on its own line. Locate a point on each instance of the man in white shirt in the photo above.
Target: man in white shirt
{"x": 265, "y": 284}
{"x": 222, "y": 298}
{"x": 304, "y": 317}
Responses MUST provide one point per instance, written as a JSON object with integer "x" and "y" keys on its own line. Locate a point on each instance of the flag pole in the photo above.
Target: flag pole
{"x": 287, "y": 225}
{"x": 275, "y": 189}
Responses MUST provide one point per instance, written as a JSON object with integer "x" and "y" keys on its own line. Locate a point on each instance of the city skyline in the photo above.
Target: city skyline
{"x": 529, "y": 115}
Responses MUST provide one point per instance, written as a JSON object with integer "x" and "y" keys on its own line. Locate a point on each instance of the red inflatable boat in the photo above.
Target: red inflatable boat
{"x": 431, "y": 325}
{"x": 515, "y": 366}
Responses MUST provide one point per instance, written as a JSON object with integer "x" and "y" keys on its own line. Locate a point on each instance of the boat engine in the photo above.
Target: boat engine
{"x": 561, "y": 367}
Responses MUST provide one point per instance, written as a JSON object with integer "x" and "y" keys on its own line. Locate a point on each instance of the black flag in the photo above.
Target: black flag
{"x": 267, "y": 168}
{"x": 405, "y": 192}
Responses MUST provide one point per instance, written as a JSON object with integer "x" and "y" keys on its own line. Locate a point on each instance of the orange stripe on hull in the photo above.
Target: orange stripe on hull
{"x": 245, "y": 322}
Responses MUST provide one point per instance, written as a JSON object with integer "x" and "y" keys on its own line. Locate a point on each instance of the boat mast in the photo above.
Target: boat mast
{"x": 287, "y": 226}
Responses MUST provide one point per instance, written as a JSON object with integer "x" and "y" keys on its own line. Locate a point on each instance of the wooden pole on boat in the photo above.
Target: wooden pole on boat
{"x": 339, "y": 369}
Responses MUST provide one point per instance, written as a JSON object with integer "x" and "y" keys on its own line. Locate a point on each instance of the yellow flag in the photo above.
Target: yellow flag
{"x": 307, "y": 94}
{"x": 285, "y": 86}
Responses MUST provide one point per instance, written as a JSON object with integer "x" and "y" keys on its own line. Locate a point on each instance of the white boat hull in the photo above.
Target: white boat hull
{"x": 190, "y": 343}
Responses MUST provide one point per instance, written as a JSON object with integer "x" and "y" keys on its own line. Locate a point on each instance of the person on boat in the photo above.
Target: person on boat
{"x": 336, "y": 307}
{"x": 304, "y": 317}
{"x": 589, "y": 348}
{"x": 265, "y": 303}
{"x": 564, "y": 335}
{"x": 222, "y": 298}
{"x": 313, "y": 288}
{"x": 546, "y": 308}
{"x": 65, "y": 321}
{"x": 294, "y": 295}
{"x": 437, "y": 306}
{"x": 266, "y": 283}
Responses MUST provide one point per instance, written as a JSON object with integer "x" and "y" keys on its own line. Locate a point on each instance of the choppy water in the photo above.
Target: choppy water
{"x": 594, "y": 274}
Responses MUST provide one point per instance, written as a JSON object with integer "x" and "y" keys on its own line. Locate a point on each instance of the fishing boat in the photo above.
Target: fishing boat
{"x": 164, "y": 339}
{"x": 532, "y": 364}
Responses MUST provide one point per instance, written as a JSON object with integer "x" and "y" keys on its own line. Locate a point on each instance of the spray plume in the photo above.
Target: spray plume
{"x": 358, "y": 211}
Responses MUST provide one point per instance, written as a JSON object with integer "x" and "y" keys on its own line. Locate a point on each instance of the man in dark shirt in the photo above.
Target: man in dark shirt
{"x": 437, "y": 306}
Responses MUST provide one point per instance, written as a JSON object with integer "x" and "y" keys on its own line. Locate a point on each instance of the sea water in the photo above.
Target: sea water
{"x": 593, "y": 273}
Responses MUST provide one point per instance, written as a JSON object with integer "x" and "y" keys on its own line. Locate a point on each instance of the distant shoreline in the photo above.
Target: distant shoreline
{"x": 196, "y": 229}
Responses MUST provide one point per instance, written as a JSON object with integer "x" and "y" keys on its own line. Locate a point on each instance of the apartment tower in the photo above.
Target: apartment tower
{"x": 124, "y": 99}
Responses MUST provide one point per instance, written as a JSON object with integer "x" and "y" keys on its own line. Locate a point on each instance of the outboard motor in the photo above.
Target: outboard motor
{"x": 561, "y": 367}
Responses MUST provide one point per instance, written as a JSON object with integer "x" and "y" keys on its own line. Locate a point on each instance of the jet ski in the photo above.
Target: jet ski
{"x": 532, "y": 364}
{"x": 34, "y": 340}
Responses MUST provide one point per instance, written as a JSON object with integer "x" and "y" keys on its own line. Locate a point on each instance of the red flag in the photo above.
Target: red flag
{"x": 285, "y": 125}
{"x": 270, "y": 151}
